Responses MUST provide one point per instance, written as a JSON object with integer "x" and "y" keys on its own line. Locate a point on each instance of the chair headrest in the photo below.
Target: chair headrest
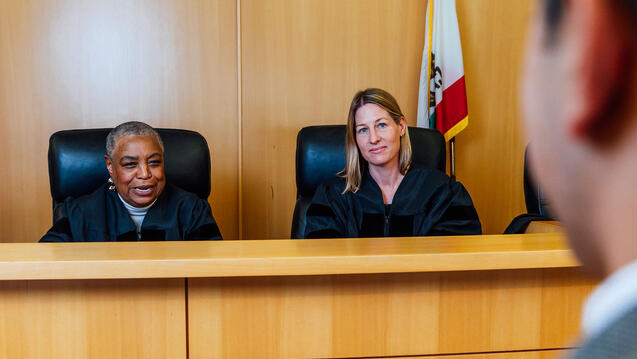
{"x": 76, "y": 161}
{"x": 320, "y": 154}
{"x": 536, "y": 201}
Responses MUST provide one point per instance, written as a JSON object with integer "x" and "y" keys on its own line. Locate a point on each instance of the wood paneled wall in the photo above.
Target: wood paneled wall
{"x": 303, "y": 62}
{"x": 247, "y": 74}
{"x": 490, "y": 152}
{"x": 80, "y": 64}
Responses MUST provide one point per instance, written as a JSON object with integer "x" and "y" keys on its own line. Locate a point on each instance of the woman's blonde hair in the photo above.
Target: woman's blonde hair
{"x": 354, "y": 160}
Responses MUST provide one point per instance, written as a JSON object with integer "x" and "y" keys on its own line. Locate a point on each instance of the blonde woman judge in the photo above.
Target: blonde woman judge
{"x": 381, "y": 193}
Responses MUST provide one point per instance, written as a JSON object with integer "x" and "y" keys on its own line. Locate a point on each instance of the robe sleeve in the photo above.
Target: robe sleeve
{"x": 61, "y": 230}
{"x": 453, "y": 212}
{"x": 202, "y": 225}
{"x": 325, "y": 215}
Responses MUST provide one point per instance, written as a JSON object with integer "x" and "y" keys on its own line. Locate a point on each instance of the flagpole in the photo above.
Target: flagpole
{"x": 452, "y": 158}
{"x": 430, "y": 22}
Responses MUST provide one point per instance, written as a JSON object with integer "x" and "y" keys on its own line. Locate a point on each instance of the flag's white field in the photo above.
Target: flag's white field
{"x": 442, "y": 95}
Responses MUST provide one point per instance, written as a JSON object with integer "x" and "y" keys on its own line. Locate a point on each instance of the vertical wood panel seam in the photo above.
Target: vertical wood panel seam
{"x": 187, "y": 319}
{"x": 239, "y": 125}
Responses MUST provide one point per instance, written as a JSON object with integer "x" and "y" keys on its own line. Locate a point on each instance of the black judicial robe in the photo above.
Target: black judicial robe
{"x": 426, "y": 203}
{"x": 177, "y": 215}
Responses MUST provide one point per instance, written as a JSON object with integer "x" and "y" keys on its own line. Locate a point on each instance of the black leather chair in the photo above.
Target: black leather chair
{"x": 76, "y": 162}
{"x": 537, "y": 205}
{"x": 320, "y": 154}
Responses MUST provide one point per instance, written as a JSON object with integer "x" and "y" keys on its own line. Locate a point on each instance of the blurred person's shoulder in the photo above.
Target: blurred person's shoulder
{"x": 616, "y": 341}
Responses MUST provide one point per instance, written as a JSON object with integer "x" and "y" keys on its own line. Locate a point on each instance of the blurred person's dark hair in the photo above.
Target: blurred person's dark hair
{"x": 554, "y": 9}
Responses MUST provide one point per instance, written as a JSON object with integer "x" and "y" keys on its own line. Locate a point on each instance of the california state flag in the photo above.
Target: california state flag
{"x": 442, "y": 97}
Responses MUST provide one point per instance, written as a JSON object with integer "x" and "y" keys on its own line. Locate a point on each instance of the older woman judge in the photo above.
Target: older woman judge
{"x": 136, "y": 204}
{"x": 380, "y": 192}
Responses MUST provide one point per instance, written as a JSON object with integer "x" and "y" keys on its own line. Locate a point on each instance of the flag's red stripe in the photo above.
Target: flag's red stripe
{"x": 453, "y": 107}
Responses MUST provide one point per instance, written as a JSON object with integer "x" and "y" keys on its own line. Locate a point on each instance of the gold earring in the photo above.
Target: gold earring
{"x": 111, "y": 186}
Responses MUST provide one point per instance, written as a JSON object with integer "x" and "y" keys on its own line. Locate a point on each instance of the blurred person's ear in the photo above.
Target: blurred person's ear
{"x": 595, "y": 35}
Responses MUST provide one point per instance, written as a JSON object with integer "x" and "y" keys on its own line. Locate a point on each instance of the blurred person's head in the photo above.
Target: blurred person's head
{"x": 377, "y": 136}
{"x": 580, "y": 107}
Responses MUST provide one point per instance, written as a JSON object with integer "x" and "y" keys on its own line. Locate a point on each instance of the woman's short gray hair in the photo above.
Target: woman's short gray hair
{"x": 132, "y": 128}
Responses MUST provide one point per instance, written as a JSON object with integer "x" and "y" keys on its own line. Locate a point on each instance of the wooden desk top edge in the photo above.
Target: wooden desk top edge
{"x": 24, "y": 261}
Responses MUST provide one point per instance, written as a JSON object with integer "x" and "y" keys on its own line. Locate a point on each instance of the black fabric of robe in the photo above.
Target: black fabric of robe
{"x": 426, "y": 203}
{"x": 177, "y": 215}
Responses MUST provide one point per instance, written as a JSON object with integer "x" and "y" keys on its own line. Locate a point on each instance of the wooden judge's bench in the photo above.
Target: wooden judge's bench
{"x": 479, "y": 297}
